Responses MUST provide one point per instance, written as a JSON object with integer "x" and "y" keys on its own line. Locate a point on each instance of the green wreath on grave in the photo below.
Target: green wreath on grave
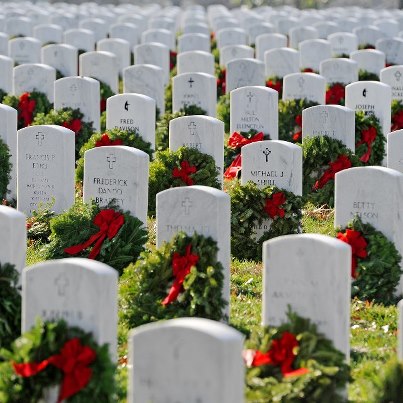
{"x": 71, "y": 119}
{"x": 10, "y": 305}
{"x": 162, "y": 130}
{"x": 38, "y": 224}
{"x": 183, "y": 167}
{"x": 397, "y": 115}
{"x": 336, "y": 94}
{"x": 294, "y": 362}
{"x": 369, "y": 139}
{"x": 323, "y": 158}
{"x": 53, "y": 354}
{"x": 180, "y": 279}
{"x": 250, "y": 205}
{"x": 112, "y": 137}
{"x": 5, "y": 168}
{"x": 364, "y": 75}
{"x": 28, "y": 105}
{"x": 390, "y": 387}
{"x": 290, "y": 118}
{"x": 223, "y": 111}
{"x": 108, "y": 235}
{"x": 375, "y": 267}
{"x": 2, "y": 95}
{"x": 276, "y": 83}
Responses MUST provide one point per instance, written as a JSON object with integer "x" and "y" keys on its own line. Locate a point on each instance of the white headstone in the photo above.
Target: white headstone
{"x": 45, "y": 168}
{"x": 244, "y": 72}
{"x": 280, "y": 62}
{"x": 326, "y": 28}
{"x": 119, "y": 47}
{"x": 195, "y": 62}
{"x": 48, "y": 33}
{"x": 97, "y": 25}
{"x": 231, "y": 36}
{"x": 304, "y": 85}
{"x": 369, "y": 60}
{"x": 196, "y": 28}
{"x": 368, "y": 35}
{"x": 163, "y": 36}
{"x": 392, "y": 48}
{"x": 6, "y": 76}
{"x": 394, "y": 153}
{"x": 235, "y": 52}
{"x": 259, "y": 29}
{"x": 16, "y": 26}
{"x": 201, "y": 362}
{"x": 126, "y": 31}
{"x": 83, "y": 292}
{"x": 266, "y": 42}
{"x": 311, "y": 274}
{"x": 62, "y": 57}
{"x": 83, "y": 39}
{"x": 343, "y": 43}
{"x": 3, "y": 44}
{"x": 312, "y": 52}
{"x": 25, "y": 50}
{"x": 388, "y": 26}
{"x": 299, "y": 34}
{"x": 393, "y": 76}
{"x": 339, "y": 70}
{"x": 191, "y": 42}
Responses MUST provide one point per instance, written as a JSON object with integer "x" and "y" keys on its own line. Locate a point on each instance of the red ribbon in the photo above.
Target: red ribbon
{"x": 74, "y": 125}
{"x": 106, "y": 141}
{"x": 275, "y": 85}
{"x": 297, "y": 135}
{"x": 181, "y": 266}
{"x": 342, "y": 162}
{"x": 221, "y": 81}
{"x": 308, "y": 70}
{"x": 109, "y": 222}
{"x": 236, "y": 140}
{"x": 184, "y": 171}
{"x": 281, "y": 354}
{"x": 335, "y": 94}
{"x": 358, "y": 247}
{"x": 172, "y": 59}
{"x": 26, "y": 108}
{"x": 368, "y": 136}
{"x": 74, "y": 360}
{"x": 397, "y": 121}
{"x": 102, "y": 105}
{"x": 272, "y": 206}
{"x": 236, "y": 165}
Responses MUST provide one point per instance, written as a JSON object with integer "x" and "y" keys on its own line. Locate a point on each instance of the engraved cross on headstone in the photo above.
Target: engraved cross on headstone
{"x": 398, "y": 75}
{"x": 191, "y": 81}
{"x": 301, "y": 82}
{"x": 186, "y": 204}
{"x": 324, "y": 115}
{"x": 192, "y": 128}
{"x": 111, "y": 160}
{"x": 62, "y": 283}
{"x": 266, "y": 152}
{"x": 249, "y": 96}
{"x": 40, "y": 137}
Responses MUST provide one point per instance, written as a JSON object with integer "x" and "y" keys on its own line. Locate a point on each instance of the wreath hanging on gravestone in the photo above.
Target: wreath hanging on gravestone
{"x": 184, "y": 167}
{"x": 5, "y": 169}
{"x": 180, "y": 279}
{"x": 294, "y": 362}
{"x": 365, "y": 75}
{"x": 250, "y": 206}
{"x": 71, "y": 119}
{"x": 221, "y": 74}
{"x": 28, "y": 105}
{"x": 276, "y": 83}
{"x": 38, "y": 224}
{"x": 55, "y": 355}
{"x": 397, "y": 115}
{"x": 112, "y": 137}
{"x": 375, "y": 267}
{"x": 336, "y": 94}
{"x": 108, "y": 235}
{"x": 290, "y": 118}
{"x": 369, "y": 139}
{"x": 323, "y": 157}
{"x": 162, "y": 130}
{"x": 223, "y": 111}
{"x": 10, "y": 305}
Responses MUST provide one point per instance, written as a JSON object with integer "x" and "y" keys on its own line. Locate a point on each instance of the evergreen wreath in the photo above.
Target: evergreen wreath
{"x": 390, "y": 387}
{"x": 397, "y": 115}
{"x": 38, "y": 224}
{"x": 107, "y": 235}
{"x": 5, "y": 168}
{"x": 149, "y": 289}
{"x": 323, "y": 158}
{"x": 250, "y": 205}
{"x": 294, "y": 363}
{"x": 10, "y": 305}
{"x": 28, "y": 105}
{"x": 105, "y": 93}
{"x": 276, "y": 83}
{"x": 375, "y": 267}
{"x": 221, "y": 74}
{"x": 290, "y": 118}
{"x": 162, "y": 130}
{"x": 369, "y": 139}
{"x": 223, "y": 111}
{"x": 71, "y": 119}
{"x": 112, "y": 137}
{"x": 49, "y": 347}
{"x": 364, "y": 75}
{"x": 336, "y": 94}
{"x": 184, "y": 167}
{"x": 2, "y": 95}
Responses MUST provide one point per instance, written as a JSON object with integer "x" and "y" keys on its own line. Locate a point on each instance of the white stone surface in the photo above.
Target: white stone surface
{"x": 394, "y": 150}
{"x": 393, "y": 76}
{"x": 119, "y": 47}
{"x": 195, "y": 62}
{"x": 244, "y": 72}
{"x": 163, "y": 36}
{"x": 312, "y": 52}
{"x": 392, "y": 48}
{"x": 368, "y": 35}
{"x": 201, "y": 362}
{"x": 19, "y": 25}
{"x": 127, "y": 31}
{"x": 305, "y": 85}
{"x": 3, "y": 44}
{"x": 48, "y": 33}
{"x": 259, "y": 29}
{"x": 62, "y": 57}
{"x": 80, "y": 38}
{"x": 301, "y": 33}
{"x": 266, "y": 42}
{"x": 192, "y": 42}
{"x": 339, "y": 70}
{"x": 311, "y": 274}
{"x": 97, "y": 25}
{"x": 231, "y": 36}
{"x": 25, "y": 50}
{"x": 369, "y": 59}
{"x": 235, "y": 52}
{"x": 280, "y": 62}
{"x": 343, "y": 43}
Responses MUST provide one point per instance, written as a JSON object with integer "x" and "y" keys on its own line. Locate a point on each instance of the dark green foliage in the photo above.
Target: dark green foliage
{"x": 41, "y": 342}
{"x": 145, "y": 284}
{"x": 168, "y": 97}
{"x": 76, "y": 226}
{"x": 247, "y": 212}
{"x": 379, "y": 273}
{"x": 161, "y": 172}
{"x": 2, "y": 95}
{"x": 10, "y": 305}
{"x": 223, "y": 111}
{"x": 390, "y": 389}
{"x": 129, "y": 138}
{"x": 327, "y": 371}
{"x": 38, "y": 224}
{"x": 364, "y": 75}
{"x": 5, "y": 169}
{"x": 287, "y": 112}
{"x": 318, "y": 152}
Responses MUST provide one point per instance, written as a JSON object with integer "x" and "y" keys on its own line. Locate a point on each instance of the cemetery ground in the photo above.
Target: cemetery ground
{"x": 373, "y": 326}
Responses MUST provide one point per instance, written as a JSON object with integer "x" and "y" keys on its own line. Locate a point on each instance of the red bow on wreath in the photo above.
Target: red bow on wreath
{"x": 342, "y": 162}
{"x": 74, "y": 125}
{"x": 26, "y": 108}
{"x": 358, "y": 247}
{"x": 172, "y": 59}
{"x": 109, "y": 222}
{"x": 184, "y": 171}
{"x": 335, "y": 94}
{"x": 397, "y": 121}
{"x": 181, "y": 266}
{"x": 272, "y": 205}
{"x": 275, "y": 85}
{"x": 106, "y": 141}
{"x": 368, "y": 136}
{"x": 298, "y": 121}
{"x": 74, "y": 360}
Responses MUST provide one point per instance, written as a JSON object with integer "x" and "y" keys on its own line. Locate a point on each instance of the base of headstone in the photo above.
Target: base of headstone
{"x": 51, "y": 394}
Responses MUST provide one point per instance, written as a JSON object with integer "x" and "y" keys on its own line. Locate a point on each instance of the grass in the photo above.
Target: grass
{"x": 373, "y": 327}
